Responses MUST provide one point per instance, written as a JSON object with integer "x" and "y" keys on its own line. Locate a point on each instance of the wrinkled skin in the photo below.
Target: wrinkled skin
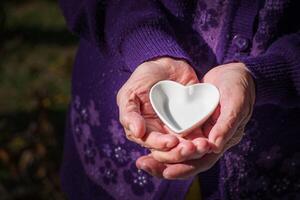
{"x": 174, "y": 157}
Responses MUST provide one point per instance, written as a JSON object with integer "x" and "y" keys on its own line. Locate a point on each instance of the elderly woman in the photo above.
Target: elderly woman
{"x": 250, "y": 50}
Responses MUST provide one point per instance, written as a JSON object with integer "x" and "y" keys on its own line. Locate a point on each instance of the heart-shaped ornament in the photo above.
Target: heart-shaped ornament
{"x": 182, "y": 108}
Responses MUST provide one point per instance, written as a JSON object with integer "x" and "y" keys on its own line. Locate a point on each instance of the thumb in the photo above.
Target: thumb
{"x": 130, "y": 115}
{"x": 133, "y": 122}
{"x": 223, "y": 130}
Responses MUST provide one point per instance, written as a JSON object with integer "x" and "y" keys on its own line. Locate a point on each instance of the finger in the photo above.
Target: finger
{"x": 183, "y": 151}
{"x": 154, "y": 140}
{"x": 129, "y": 114}
{"x": 192, "y": 80}
{"x": 203, "y": 147}
{"x": 225, "y": 126}
{"x": 196, "y": 136}
{"x": 201, "y": 143}
{"x": 190, "y": 168}
{"x": 209, "y": 124}
{"x": 150, "y": 165}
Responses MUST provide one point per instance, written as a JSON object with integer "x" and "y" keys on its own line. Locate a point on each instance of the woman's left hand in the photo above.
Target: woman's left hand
{"x": 224, "y": 129}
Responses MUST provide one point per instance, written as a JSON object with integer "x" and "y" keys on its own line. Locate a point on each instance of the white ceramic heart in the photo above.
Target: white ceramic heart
{"x": 182, "y": 108}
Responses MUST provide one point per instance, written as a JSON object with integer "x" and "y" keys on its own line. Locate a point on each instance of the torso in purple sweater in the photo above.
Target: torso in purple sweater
{"x": 116, "y": 36}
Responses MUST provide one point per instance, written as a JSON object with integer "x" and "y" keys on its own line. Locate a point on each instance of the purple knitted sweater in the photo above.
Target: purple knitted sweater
{"x": 117, "y": 35}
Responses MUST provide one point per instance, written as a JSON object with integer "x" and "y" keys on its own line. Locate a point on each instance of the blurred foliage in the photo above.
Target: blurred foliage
{"x": 36, "y": 55}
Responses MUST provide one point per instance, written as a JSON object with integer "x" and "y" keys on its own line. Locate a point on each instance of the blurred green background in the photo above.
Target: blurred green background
{"x": 36, "y": 55}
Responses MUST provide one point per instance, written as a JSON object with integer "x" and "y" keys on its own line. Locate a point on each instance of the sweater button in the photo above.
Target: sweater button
{"x": 240, "y": 43}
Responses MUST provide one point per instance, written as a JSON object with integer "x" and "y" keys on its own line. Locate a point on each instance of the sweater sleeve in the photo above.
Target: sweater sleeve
{"x": 277, "y": 72}
{"x": 135, "y": 30}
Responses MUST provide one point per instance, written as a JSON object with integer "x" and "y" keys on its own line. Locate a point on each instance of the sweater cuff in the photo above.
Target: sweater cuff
{"x": 147, "y": 42}
{"x": 271, "y": 76}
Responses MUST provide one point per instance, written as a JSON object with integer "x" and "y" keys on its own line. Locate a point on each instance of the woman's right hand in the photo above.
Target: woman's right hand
{"x": 139, "y": 120}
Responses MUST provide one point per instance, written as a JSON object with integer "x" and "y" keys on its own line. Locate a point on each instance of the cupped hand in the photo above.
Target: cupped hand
{"x": 137, "y": 116}
{"x": 224, "y": 129}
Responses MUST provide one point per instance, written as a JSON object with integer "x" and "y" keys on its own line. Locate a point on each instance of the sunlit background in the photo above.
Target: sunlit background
{"x": 36, "y": 55}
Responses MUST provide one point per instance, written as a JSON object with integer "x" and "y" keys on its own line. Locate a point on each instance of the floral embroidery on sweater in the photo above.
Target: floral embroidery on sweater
{"x": 246, "y": 179}
{"x": 112, "y": 162}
